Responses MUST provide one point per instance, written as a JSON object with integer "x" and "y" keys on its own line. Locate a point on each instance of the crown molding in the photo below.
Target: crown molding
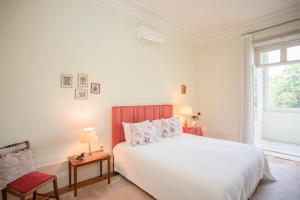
{"x": 129, "y": 9}
{"x": 259, "y": 23}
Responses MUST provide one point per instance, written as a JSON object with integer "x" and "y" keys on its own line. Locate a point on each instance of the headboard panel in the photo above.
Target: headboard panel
{"x": 134, "y": 114}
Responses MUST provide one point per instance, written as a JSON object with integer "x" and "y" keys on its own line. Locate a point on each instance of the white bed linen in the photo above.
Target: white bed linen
{"x": 188, "y": 167}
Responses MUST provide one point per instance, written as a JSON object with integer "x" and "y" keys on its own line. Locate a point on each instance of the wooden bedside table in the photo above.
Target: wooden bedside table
{"x": 97, "y": 156}
{"x": 195, "y": 130}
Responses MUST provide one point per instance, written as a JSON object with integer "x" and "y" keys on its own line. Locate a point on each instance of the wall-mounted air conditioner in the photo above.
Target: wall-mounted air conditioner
{"x": 150, "y": 36}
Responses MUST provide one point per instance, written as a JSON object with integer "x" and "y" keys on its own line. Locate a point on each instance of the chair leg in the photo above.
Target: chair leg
{"x": 55, "y": 189}
{"x": 4, "y": 194}
{"x": 34, "y": 196}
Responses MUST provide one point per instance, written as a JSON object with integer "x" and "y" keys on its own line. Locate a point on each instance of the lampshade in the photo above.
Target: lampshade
{"x": 186, "y": 110}
{"x": 88, "y": 136}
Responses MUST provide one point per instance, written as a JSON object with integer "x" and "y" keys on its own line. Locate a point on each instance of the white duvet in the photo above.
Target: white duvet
{"x": 187, "y": 167}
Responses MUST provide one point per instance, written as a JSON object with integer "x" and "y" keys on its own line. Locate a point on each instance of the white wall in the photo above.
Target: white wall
{"x": 42, "y": 39}
{"x": 281, "y": 126}
{"x": 219, "y": 88}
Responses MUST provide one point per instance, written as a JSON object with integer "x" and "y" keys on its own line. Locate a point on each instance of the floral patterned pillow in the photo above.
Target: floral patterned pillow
{"x": 171, "y": 127}
{"x": 142, "y": 134}
{"x": 158, "y": 125}
{"x": 127, "y": 129}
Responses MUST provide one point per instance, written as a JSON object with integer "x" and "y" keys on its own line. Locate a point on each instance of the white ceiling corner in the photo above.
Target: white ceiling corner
{"x": 155, "y": 13}
{"x": 259, "y": 23}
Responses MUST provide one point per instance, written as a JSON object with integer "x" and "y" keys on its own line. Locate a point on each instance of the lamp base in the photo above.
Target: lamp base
{"x": 185, "y": 123}
{"x": 90, "y": 151}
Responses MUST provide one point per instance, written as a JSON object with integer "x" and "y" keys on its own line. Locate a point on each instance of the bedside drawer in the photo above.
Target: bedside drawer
{"x": 195, "y": 130}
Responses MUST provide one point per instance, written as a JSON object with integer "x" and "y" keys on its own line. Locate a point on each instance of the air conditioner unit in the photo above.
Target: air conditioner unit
{"x": 150, "y": 36}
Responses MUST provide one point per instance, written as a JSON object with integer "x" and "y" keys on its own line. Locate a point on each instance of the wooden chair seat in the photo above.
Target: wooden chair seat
{"x": 29, "y": 184}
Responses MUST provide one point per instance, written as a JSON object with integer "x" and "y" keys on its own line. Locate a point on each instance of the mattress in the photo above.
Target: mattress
{"x": 191, "y": 167}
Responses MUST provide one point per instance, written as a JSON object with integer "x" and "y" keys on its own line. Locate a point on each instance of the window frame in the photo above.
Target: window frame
{"x": 282, "y": 47}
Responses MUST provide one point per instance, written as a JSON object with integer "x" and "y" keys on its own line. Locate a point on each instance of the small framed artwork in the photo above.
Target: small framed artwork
{"x": 95, "y": 88}
{"x": 183, "y": 89}
{"x": 82, "y": 80}
{"x": 66, "y": 81}
{"x": 81, "y": 94}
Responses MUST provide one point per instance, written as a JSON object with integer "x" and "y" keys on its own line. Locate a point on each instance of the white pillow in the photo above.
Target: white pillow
{"x": 127, "y": 133}
{"x": 15, "y": 165}
{"x": 127, "y": 129}
{"x": 143, "y": 134}
{"x": 158, "y": 125}
{"x": 171, "y": 127}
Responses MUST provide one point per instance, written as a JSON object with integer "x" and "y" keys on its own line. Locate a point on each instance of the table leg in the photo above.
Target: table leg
{"x": 70, "y": 175}
{"x": 101, "y": 168}
{"x": 108, "y": 170}
{"x": 113, "y": 163}
{"x": 34, "y": 195}
{"x": 4, "y": 194}
{"x": 75, "y": 181}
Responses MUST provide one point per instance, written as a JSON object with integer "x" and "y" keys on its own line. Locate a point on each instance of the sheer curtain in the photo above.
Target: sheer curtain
{"x": 247, "y": 110}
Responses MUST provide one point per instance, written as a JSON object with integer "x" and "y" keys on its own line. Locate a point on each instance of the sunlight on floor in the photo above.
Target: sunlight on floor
{"x": 279, "y": 149}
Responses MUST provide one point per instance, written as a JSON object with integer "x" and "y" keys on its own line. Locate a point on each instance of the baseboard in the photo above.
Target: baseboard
{"x": 61, "y": 170}
{"x": 222, "y": 135}
{"x": 282, "y": 155}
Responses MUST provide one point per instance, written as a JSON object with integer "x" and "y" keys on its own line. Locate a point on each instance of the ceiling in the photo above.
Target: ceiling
{"x": 204, "y": 19}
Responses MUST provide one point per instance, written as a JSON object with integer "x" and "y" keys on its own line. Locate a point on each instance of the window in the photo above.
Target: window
{"x": 270, "y": 57}
{"x": 280, "y": 54}
{"x": 282, "y": 87}
{"x": 293, "y": 53}
{"x": 281, "y": 68}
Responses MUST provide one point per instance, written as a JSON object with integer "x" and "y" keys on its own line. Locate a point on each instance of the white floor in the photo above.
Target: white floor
{"x": 279, "y": 149}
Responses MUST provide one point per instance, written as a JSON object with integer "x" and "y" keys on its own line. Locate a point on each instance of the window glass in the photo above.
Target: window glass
{"x": 270, "y": 57}
{"x": 283, "y": 86}
{"x": 293, "y": 53}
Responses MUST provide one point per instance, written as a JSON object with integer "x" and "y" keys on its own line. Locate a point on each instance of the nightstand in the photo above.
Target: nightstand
{"x": 195, "y": 130}
{"x": 94, "y": 157}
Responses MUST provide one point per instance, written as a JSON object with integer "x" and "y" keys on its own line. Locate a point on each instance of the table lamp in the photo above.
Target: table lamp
{"x": 186, "y": 111}
{"x": 88, "y": 136}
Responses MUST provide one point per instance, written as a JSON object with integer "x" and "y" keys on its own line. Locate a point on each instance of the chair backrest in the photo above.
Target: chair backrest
{"x": 14, "y": 148}
{"x": 20, "y": 162}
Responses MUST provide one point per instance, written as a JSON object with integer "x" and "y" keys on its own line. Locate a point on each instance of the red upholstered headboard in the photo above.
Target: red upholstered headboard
{"x": 133, "y": 114}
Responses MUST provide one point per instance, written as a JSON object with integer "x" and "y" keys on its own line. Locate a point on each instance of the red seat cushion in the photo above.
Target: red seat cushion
{"x": 30, "y": 181}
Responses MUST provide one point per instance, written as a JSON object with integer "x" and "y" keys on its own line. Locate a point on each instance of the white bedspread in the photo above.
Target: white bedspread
{"x": 190, "y": 167}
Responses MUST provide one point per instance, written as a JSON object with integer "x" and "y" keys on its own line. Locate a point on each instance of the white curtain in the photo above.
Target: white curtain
{"x": 258, "y": 104}
{"x": 247, "y": 114}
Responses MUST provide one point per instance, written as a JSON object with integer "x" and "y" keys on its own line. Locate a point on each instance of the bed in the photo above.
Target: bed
{"x": 186, "y": 166}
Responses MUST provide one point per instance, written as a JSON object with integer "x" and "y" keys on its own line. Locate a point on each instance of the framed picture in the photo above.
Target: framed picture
{"x": 81, "y": 94}
{"x": 66, "y": 81}
{"x": 183, "y": 89}
{"x": 82, "y": 80}
{"x": 95, "y": 88}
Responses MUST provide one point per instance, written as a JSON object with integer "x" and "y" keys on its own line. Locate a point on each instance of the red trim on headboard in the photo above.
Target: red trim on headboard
{"x": 134, "y": 114}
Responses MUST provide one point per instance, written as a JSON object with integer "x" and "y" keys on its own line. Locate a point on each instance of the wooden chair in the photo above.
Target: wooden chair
{"x": 29, "y": 183}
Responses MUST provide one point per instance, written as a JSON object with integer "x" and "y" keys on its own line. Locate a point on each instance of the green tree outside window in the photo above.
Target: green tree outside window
{"x": 284, "y": 89}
